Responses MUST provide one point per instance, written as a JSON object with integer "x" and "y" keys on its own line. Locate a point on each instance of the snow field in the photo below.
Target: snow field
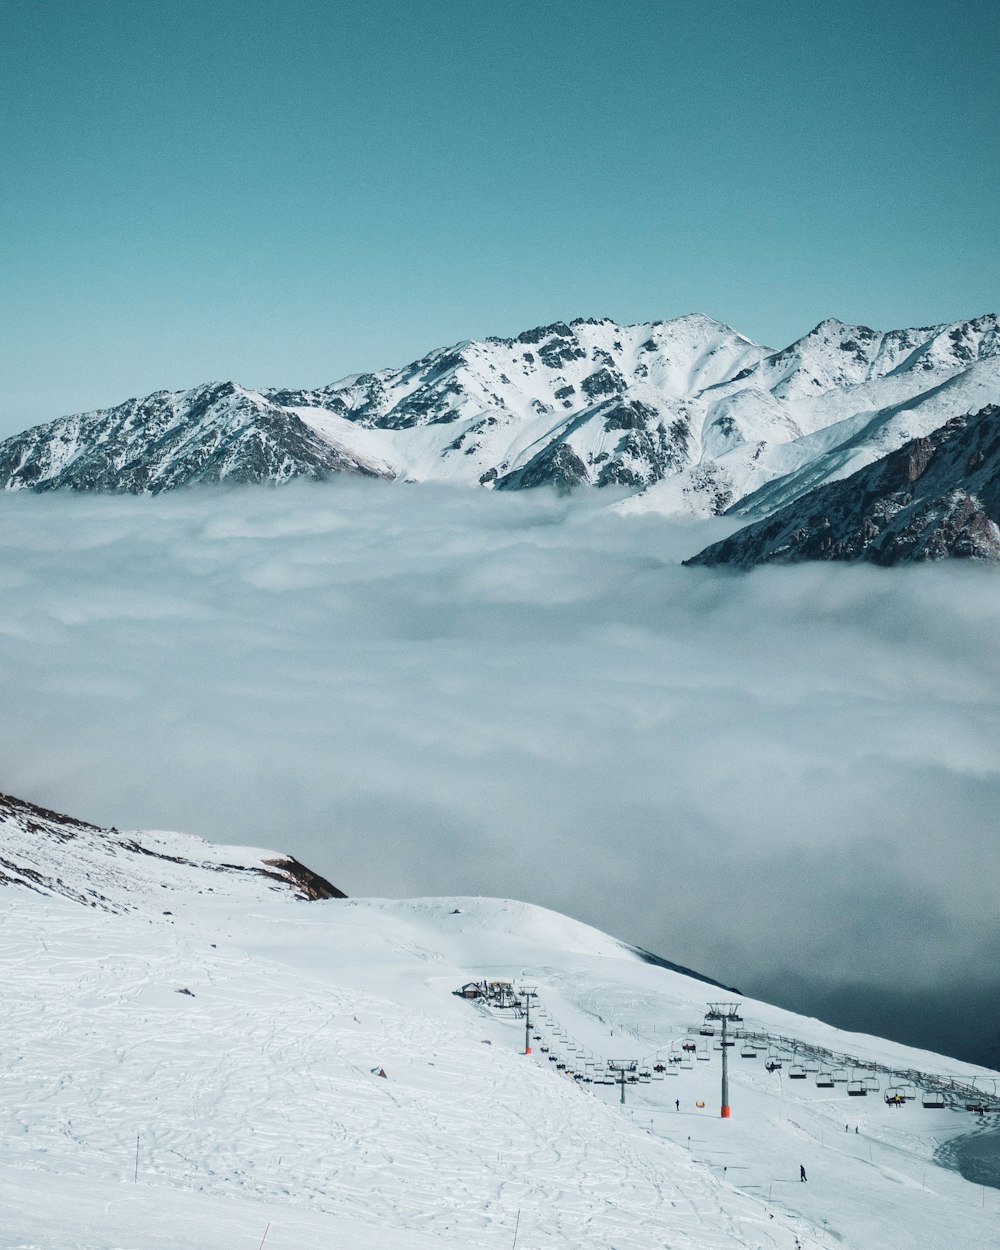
{"x": 254, "y": 1100}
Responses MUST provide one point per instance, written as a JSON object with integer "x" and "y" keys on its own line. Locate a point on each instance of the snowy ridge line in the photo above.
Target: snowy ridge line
{"x": 926, "y": 1080}
{"x": 686, "y": 416}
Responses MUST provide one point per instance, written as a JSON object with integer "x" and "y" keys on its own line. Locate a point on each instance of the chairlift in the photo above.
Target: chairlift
{"x": 707, "y": 1030}
{"x": 872, "y": 1083}
{"x": 747, "y": 1051}
{"x": 857, "y": 1089}
{"x": 811, "y": 1065}
{"x": 824, "y": 1080}
{"x": 703, "y": 1053}
{"x": 796, "y": 1072}
{"x": 544, "y": 1050}
{"x": 840, "y": 1076}
{"x": 933, "y": 1099}
{"x": 645, "y": 1075}
{"x": 772, "y": 1065}
{"x": 908, "y": 1091}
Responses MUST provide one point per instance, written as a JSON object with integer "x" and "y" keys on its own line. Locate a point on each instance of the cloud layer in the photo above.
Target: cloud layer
{"x": 783, "y": 776}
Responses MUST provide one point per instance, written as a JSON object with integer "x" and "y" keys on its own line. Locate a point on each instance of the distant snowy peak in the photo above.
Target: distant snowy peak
{"x": 213, "y": 433}
{"x": 687, "y": 415}
{"x": 478, "y": 412}
{"x": 52, "y": 854}
{"x": 836, "y": 355}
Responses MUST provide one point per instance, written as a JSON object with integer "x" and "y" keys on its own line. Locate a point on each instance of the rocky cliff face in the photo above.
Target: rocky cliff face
{"x": 936, "y": 496}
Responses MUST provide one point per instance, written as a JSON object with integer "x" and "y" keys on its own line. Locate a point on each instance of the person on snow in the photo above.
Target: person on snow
{"x": 802, "y": 1172}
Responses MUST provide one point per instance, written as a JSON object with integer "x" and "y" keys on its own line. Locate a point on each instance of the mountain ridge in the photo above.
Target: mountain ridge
{"x": 684, "y": 416}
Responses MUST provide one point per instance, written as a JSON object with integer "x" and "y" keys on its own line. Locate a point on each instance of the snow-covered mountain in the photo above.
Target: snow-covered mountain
{"x": 936, "y": 496}
{"x": 209, "y": 1061}
{"x": 688, "y": 415}
{"x": 54, "y": 855}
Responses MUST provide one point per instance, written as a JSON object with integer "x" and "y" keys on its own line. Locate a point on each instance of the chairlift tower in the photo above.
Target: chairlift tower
{"x": 527, "y": 995}
{"x": 623, "y": 1068}
{"x": 727, "y": 1013}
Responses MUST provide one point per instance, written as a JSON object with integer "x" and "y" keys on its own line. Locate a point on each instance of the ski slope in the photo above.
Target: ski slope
{"x": 188, "y": 1069}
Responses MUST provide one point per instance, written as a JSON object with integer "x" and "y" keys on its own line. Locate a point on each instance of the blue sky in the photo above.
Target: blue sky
{"x": 283, "y": 193}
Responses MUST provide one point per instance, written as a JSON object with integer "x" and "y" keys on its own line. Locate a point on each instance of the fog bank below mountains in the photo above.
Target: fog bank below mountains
{"x": 788, "y": 780}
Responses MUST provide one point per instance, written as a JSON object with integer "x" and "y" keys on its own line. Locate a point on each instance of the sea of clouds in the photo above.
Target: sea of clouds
{"x": 788, "y": 780}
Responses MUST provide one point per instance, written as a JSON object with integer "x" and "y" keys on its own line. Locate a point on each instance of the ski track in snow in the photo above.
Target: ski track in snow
{"x": 256, "y": 1091}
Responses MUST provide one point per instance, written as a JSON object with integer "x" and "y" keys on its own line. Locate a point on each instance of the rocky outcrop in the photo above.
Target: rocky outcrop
{"x": 48, "y": 853}
{"x": 936, "y": 497}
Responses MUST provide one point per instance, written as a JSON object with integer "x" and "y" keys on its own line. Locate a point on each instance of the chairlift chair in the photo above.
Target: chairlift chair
{"x": 824, "y": 1080}
{"x": 933, "y": 1099}
{"x": 872, "y": 1083}
{"x": 707, "y": 1030}
{"x": 703, "y": 1053}
{"x": 840, "y": 1076}
{"x": 747, "y": 1052}
{"x": 857, "y": 1089}
{"x": 796, "y": 1072}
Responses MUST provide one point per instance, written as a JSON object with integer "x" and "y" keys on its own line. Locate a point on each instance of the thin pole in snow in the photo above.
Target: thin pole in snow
{"x": 517, "y": 1225}
{"x": 135, "y": 1178}
{"x": 264, "y": 1238}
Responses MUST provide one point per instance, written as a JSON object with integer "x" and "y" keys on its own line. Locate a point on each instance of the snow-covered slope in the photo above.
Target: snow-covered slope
{"x": 213, "y": 1076}
{"x": 935, "y": 497}
{"x": 59, "y": 855}
{"x": 688, "y": 415}
{"x": 219, "y": 432}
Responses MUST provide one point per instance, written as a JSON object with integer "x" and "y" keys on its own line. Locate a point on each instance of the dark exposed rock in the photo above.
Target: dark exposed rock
{"x": 557, "y": 465}
{"x": 935, "y": 497}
